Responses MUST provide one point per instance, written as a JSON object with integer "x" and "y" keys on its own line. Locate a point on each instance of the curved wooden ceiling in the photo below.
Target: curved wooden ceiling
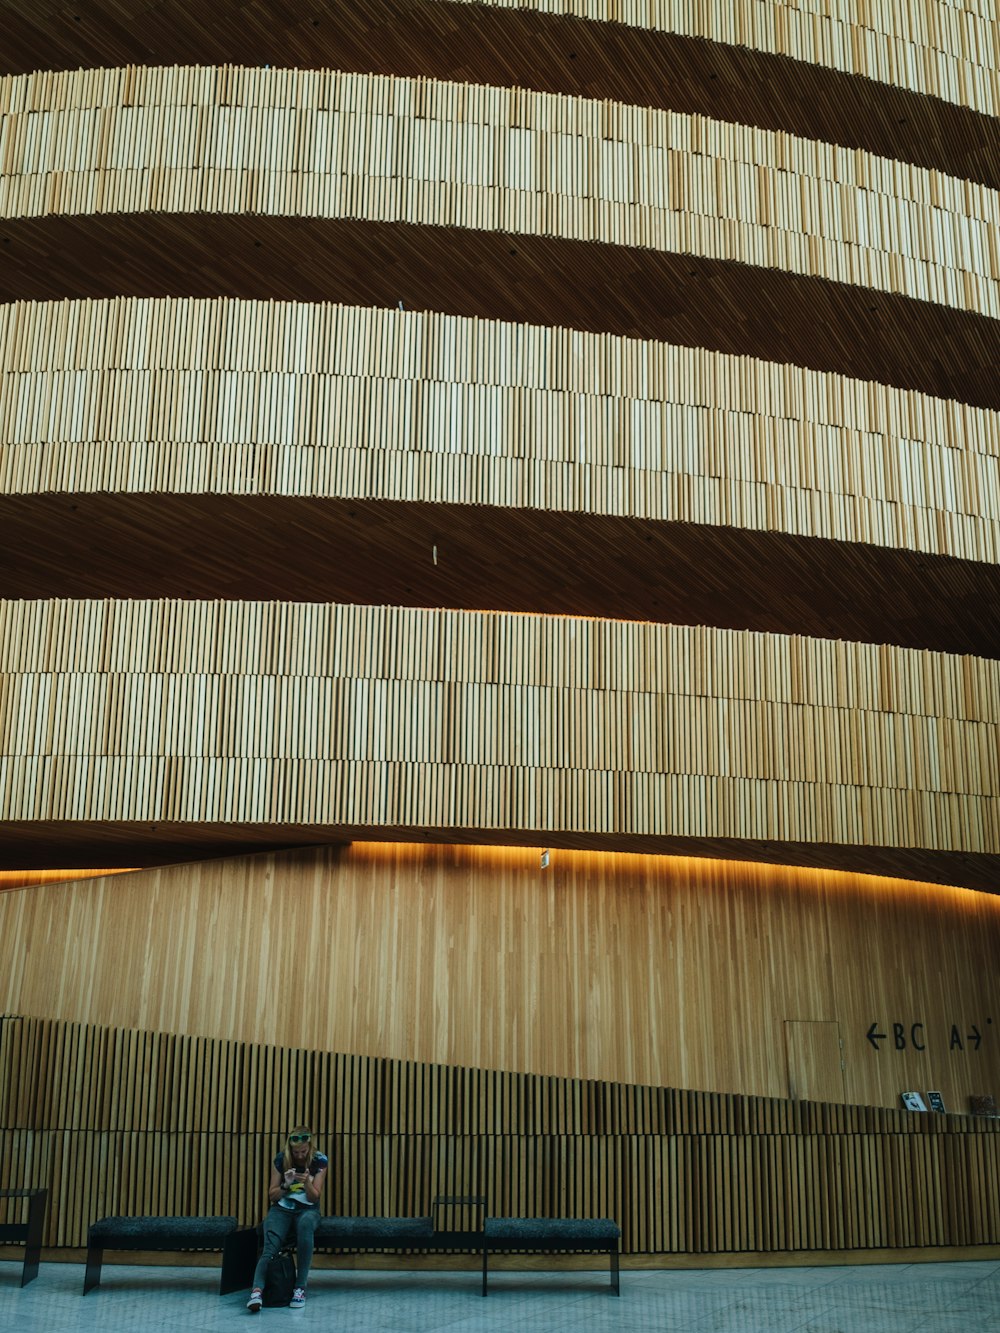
{"x": 292, "y": 143}
{"x": 734, "y": 308}
{"x": 945, "y": 48}
{"x": 784, "y": 264}
{"x": 37, "y": 843}
{"x": 700, "y": 73}
{"x": 282, "y": 547}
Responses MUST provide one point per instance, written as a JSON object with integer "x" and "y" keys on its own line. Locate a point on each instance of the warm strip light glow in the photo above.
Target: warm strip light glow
{"x": 623, "y": 865}
{"x": 27, "y": 879}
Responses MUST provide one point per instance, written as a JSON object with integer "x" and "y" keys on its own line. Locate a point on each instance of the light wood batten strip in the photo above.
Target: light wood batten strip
{"x": 19, "y": 879}
{"x": 335, "y": 715}
{"x": 670, "y": 65}
{"x": 343, "y": 146}
{"x": 252, "y": 398}
{"x": 134, "y": 1122}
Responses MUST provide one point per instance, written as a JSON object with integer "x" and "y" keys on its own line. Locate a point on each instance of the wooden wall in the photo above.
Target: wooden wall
{"x": 119, "y": 1122}
{"x": 669, "y": 64}
{"x": 21, "y": 879}
{"x": 640, "y": 969}
{"x": 267, "y": 398}
{"x": 190, "y": 712}
{"x": 726, "y": 981}
{"x": 392, "y": 150}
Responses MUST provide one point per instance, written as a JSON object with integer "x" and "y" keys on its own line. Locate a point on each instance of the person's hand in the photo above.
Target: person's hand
{"x": 301, "y": 1176}
{"x": 290, "y": 1176}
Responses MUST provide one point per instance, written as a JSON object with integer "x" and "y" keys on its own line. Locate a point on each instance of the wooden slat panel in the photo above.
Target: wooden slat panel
{"x": 280, "y": 142}
{"x": 186, "y": 712}
{"x": 670, "y": 967}
{"x": 180, "y": 396}
{"x": 660, "y": 65}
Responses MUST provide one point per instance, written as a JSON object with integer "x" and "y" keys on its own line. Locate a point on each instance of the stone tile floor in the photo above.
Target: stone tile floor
{"x": 879, "y": 1298}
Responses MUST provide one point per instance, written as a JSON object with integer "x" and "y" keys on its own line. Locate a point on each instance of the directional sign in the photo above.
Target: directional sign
{"x": 914, "y": 1036}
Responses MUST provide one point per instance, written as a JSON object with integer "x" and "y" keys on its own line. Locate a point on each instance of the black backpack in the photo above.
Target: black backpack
{"x": 279, "y": 1284}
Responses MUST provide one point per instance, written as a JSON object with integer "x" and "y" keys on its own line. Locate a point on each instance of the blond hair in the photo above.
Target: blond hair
{"x": 286, "y": 1151}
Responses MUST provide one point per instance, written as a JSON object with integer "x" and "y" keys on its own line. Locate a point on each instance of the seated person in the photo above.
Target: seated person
{"x": 297, "y": 1175}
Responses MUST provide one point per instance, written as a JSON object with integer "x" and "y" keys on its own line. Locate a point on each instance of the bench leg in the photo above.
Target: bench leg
{"x": 92, "y": 1277}
{"x": 616, "y": 1289}
{"x": 239, "y": 1258}
{"x": 32, "y": 1257}
{"x": 484, "y": 1270}
{"x": 33, "y": 1240}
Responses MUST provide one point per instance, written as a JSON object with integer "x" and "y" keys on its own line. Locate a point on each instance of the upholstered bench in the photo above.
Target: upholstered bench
{"x": 156, "y": 1233}
{"x": 375, "y": 1233}
{"x": 497, "y": 1235}
{"x": 550, "y": 1235}
{"x": 334, "y": 1233}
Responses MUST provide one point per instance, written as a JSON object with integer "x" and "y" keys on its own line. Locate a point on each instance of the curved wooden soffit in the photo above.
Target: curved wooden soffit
{"x": 229, "y": 449}
{"x": 946, "y": 119}
{"x": 601, "y": 733}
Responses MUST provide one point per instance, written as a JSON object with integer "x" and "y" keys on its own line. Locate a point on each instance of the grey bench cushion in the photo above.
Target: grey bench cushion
{"x": 372, "y": 1232}
{"x": 551, "y": 1233}
{"x": 161, "y": 1233}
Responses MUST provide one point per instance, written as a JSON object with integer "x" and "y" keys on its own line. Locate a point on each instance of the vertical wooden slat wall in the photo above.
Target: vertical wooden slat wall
{"x": 325, "y": 144}
{"x": 624, "y": 968}
{"x": 274, "y": 713}
{"x": 269, "y": 398}
{"x": 117, "y": 1121}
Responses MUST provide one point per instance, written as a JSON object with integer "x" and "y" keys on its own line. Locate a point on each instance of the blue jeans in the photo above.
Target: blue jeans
{"x": 277, "y": 1224}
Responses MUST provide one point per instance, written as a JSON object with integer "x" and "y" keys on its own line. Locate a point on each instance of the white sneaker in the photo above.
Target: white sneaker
{"x": 298, "y": 1298}
{"x": 256, "y": 1301}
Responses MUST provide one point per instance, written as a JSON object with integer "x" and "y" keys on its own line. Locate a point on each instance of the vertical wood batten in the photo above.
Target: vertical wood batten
{"x": 266, "y": 398}
{"x": 690, "y": 1185}
{"x": 621, "y": 948}
{"x": 395, "y": 150}
{"x": 277, "y": 713}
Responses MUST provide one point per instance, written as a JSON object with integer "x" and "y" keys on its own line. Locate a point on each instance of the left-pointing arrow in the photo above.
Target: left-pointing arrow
{"x": 873, "y": 1036}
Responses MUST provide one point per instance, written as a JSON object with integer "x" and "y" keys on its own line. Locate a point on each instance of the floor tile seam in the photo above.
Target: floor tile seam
{"x": 979, "y": 1281}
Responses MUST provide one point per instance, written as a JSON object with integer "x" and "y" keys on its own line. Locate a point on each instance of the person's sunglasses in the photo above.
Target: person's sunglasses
{"x": 299, "y": 1138}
